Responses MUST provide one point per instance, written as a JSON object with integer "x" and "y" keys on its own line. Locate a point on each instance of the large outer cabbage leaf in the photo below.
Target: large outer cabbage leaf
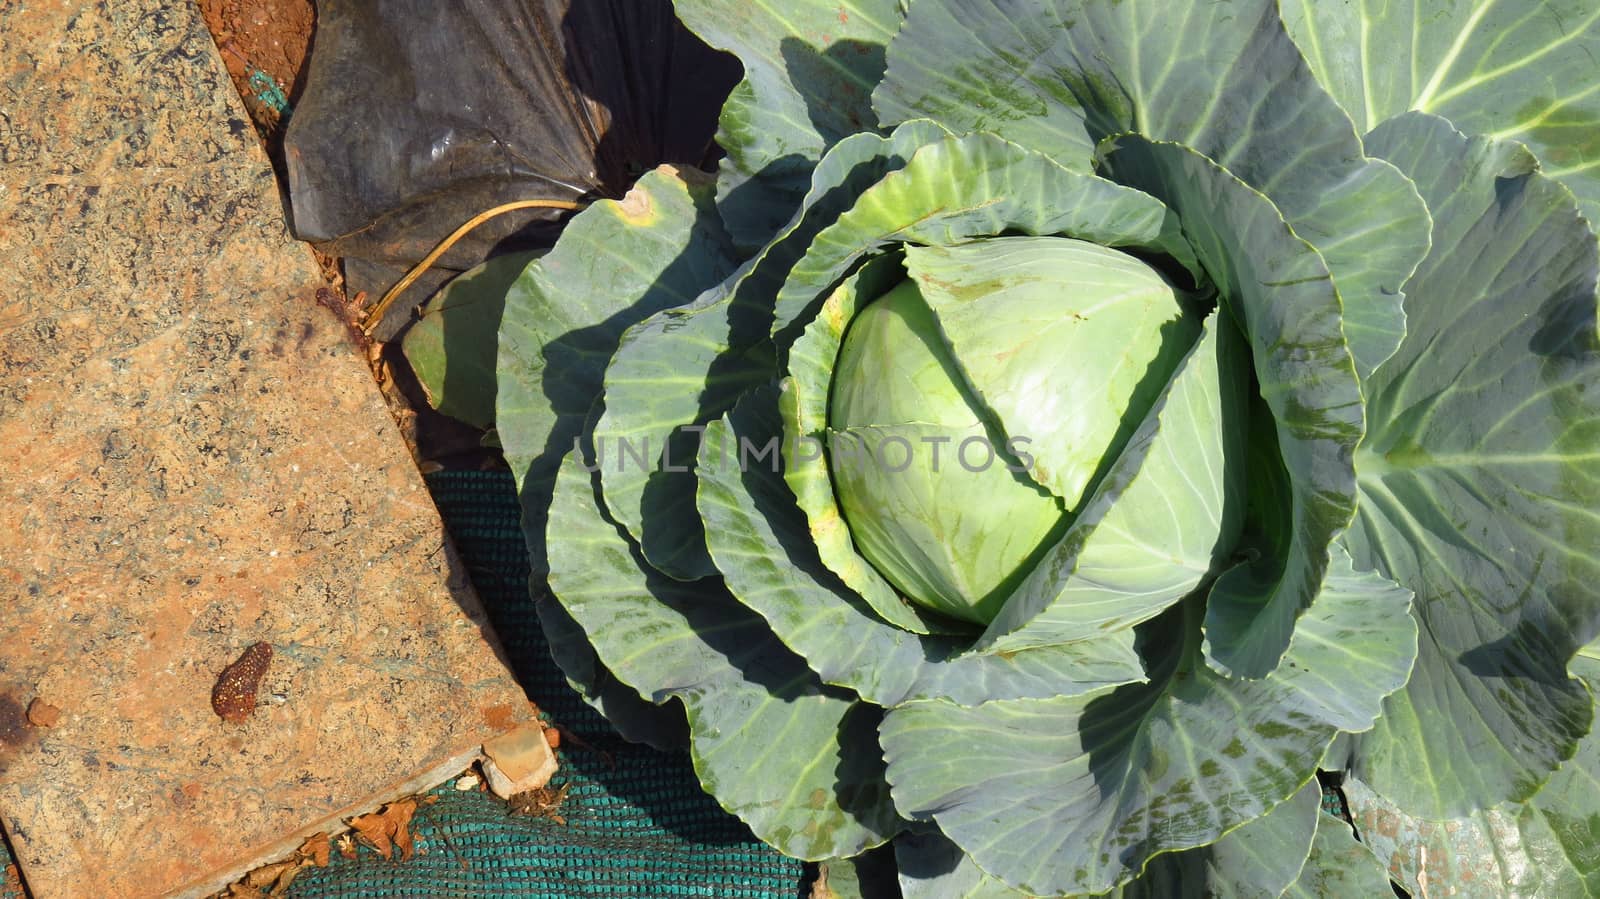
{"x": 1480, "y": 478}
{"x": 810, "y": 67}
{"x": 1147, "y": 768}
{"x": 1339, "y": 865}
{"x": 451, "y": 347}
{"x": 1257, "y": 861}
{"x": 618, "y": 263}
{"x": 1510, "y": 70}
{"x": 1548, "y": 847}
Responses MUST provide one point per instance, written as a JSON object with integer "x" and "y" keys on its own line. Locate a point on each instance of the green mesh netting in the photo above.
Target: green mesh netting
{"x": 638, "y": 827}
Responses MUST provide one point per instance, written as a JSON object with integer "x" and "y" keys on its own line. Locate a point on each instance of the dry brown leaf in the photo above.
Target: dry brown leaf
{"x": 399, "y": 815}
{"x": 316, "y": 849}
{"x": 388, "y": 829}
{"x": 265, "y": 876}
{"x": 820, "y": 888}
{"x": 373, "y": 829}
{"x": 269, "y": 880}
{"x": 282, "y": 886}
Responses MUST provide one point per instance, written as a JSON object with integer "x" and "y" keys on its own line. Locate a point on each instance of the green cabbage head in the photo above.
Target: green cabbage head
{"x": 1063, "y": 435}
{"x": 937, "y": 494}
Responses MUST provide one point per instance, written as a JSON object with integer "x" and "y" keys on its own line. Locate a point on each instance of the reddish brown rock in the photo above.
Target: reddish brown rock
{"x": 43, "y": 714}
{"x": 198, "y": 461}
{"x": 234, "y": 696}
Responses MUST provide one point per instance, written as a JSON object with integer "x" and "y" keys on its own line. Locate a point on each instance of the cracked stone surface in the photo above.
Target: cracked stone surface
{"x": 198, "y": 462}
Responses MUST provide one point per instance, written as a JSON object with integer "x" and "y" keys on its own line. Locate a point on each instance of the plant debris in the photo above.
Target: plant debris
{"x": 350, "y": 311}
{"x": 390, "y": 828}
{"x": 820, "y": 888}
{"x": 385, "y": 830}
{"x": 273, "y": 879}
{"x": 543, "y": 802}
{"x": 317, "y": 848}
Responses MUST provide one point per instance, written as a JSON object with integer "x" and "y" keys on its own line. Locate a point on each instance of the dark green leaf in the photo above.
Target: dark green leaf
{"x": 932, "y": 867}
{"x": 452, "y": 348}
{"x": 809, "y": 71}
{"x": 1341, "y": 866}
{"x": 1481, "y": 476}
{"x": 1258, "y": 861}
{"x": 635, "y": 718}
{"x": 617, "y": 263}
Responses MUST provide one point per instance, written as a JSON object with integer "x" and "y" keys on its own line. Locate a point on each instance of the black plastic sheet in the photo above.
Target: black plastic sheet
{"x": 417, "y": 115}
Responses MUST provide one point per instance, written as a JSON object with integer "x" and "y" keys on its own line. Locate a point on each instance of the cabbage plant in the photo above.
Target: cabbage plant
{"x": 1060, "y": 429}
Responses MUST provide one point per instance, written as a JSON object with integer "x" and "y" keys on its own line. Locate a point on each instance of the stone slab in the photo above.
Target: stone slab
{"x": 197, "y": 461}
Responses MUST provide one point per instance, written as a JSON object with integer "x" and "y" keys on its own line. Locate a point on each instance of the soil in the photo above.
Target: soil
{"x": 263, "y": 36}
